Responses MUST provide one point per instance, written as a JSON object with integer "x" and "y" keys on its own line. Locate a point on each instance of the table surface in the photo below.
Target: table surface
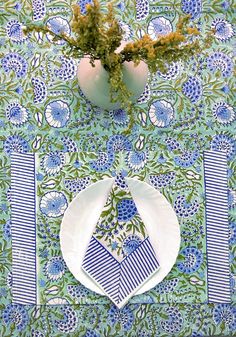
{"x": 194, "y": 105}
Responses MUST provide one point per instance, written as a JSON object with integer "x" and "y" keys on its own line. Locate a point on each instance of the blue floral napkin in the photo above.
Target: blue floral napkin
{"x": 120, "y": 256}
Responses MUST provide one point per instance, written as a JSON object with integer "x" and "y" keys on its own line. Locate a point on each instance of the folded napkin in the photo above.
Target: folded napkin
{"x": 120, "y": 256}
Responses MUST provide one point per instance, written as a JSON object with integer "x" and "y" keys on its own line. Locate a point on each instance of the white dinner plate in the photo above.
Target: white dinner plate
{"x": 84, "y": 211}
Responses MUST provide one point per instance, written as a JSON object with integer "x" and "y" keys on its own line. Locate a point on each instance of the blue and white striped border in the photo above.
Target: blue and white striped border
{"x": 119, "y": 280}
{"x": 217, "y": 227}
{"x": 23, "y": 218}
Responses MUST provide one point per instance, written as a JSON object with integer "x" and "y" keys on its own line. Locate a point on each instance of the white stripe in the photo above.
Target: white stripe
{"x": 23, "y": 228}
{"x": 118, "y": 280}
{"x": 217, "y": 230}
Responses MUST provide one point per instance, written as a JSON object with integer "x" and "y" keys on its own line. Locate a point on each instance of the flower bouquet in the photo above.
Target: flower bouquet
{"x": 113, "y": 73}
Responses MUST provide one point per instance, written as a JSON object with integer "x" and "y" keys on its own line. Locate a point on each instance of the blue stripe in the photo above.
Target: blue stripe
{"x": 119, "y": 279}
{"x": 23, "y": 208}
{"x": 142, "y": 268}
{"x": 217, "y": 229}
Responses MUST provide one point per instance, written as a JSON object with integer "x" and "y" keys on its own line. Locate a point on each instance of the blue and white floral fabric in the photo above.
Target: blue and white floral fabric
{"x": 121, "y": 259}
{"x": 181, "y": 114}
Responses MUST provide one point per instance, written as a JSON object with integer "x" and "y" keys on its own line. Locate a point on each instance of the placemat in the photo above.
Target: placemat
{"x": 42, "y": 185}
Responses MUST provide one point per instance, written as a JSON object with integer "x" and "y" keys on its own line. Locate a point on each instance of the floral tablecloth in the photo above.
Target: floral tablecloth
{"x": 44, "y": 113}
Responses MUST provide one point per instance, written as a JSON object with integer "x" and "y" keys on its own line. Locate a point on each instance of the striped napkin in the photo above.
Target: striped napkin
{"x": 120, "y": 257}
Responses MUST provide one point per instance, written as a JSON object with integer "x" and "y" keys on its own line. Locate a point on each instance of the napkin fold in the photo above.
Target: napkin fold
{"x": 120, "y": 257}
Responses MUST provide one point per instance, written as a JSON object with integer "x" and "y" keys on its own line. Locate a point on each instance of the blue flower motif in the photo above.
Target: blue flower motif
{"x": 7, "y": 229}
{"x": 185, "y": 209}
{"x": 82, "y": 4}
{"x": 144, "y": 97}
{"x": 3, "y": 207}
{"x": 15, "y": 32}
{"x": 103, "y": 162}
{"x": 54, "y": 268}
{"x": 91, "y": 333}
{"x": 162, "y": 180}
{"x": 224, "y": 143}
{"x": 9, "y": 280}
{"x": 42, "y": 283}
{"x": 15, "y": 62}
{"x": 192, "y": 88}
{"x": 126, "y": 209}
{"x": 161, "y": 113}
{"x": 193, "y": 259}
{"x": 69, "y": 322}
{"x": 17, "y": 114}
{"x": 57, "y": 113}
{"x": 43, "y": 253}
{"x": 224, "y": 113}
{"x": 187, "y": 158}
{"x": 39, "y": 9}
{"x": 130, "y": 243}
{"x": 117, "y": 143}
{"x": 225, "y": 313}
{"x": 172, "y": 144}
{"x": 37, "y": 333}
{"x": 67, "y": 69}
{"x": 174, "y": 323}
{"x": 18, "y": 6}
{"x": 136, "y": 160}
{"x": 232, "y": 233}
{"x": 15, "y": 143}
{"x": 53, "y": 162}
{"x": 223, "y": 30}
{"x": 40, "y": 90}
{"x": 77, "y": 164}
{"x": 124, "y": 317}
{"x": 19, "y": 90}
{"x": 119, "y": 117}
{"x": 114, "y": 245}
{"x": 69, "y": 145}
{"x": 3, "y": 292}
{"x": 173, "y": 71}
{"x": 121, "y": 5}
{"x": 53, "y": 204}
{"x": 142, "y": 9}
{"x": 143, "y": 332}
{"x": 193, "y": 7}
{"x": 120, "y": 181}
{"x": 17, "y": 314}
{"x": 225, "y": 89}
{"x": 159, "y": 26}
{"x": 167, "y": 286}
{"x": 161, "y": 159}
{"x": 220, "y": 61}
{"x": 78, "y": 184}
{"x": 39, "y": 176}
{"x": 58, "y": 25}
{"x": 225, "y": 5}
{"x": 79, "y": 292}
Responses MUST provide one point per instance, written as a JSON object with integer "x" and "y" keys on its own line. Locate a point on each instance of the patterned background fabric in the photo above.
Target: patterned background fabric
{"x": 181, "y": 114}
{"x": 181, "y": 282}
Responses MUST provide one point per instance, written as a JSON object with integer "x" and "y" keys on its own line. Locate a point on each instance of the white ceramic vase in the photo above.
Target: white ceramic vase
{"x": 94, "y": 84}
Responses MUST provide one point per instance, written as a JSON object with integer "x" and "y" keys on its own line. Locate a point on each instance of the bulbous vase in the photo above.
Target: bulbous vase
{"x": 94, "y": 84}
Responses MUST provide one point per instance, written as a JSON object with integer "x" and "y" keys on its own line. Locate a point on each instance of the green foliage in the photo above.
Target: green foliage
{"x": 98, "y": 35}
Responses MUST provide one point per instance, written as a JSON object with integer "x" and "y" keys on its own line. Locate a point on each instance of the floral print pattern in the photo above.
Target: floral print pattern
{"x": 53, "y": 204}
{"x": 188, "y": 207}
{"x": 44, "y": 111}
